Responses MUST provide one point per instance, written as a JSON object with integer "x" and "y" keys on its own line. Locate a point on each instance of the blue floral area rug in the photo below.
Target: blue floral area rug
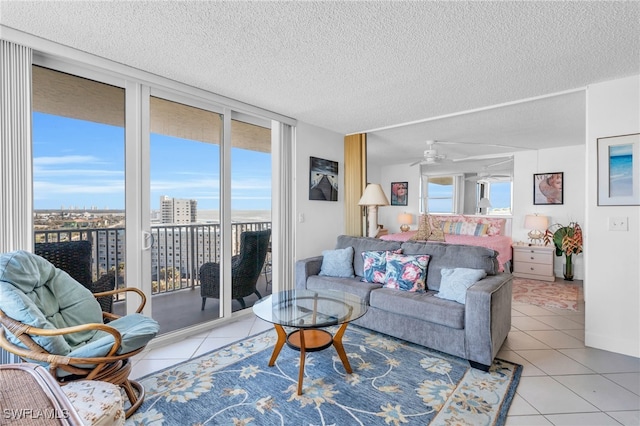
{"x": 393, "y": 383}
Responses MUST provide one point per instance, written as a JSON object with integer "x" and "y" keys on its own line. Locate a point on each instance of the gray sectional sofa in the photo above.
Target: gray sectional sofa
{"x": 474, "y": 330}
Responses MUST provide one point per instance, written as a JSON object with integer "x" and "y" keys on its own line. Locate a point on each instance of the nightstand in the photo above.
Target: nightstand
{"x": 534, "y": 262}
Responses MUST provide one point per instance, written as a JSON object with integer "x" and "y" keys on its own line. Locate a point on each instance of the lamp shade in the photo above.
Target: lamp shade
{"x": 484, "y": 203}
{"x": 373, "y": 196}
{"x": 534, "y": 221}
{"x": 405, "y": 219}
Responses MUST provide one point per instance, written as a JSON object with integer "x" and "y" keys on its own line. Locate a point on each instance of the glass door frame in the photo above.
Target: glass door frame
{"x": 225, "y": 188}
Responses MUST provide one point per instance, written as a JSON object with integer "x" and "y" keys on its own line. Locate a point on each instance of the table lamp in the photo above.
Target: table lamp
{"x": 483, "y": 205}
{"x": 373, "y": 197}
{"x": 405, "y": 219}
{"x": 537, "y": 225}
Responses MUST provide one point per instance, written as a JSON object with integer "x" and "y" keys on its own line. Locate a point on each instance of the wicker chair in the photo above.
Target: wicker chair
{"x": 48, "y": 318}
{"x": 245, "y": 269}
{"x": 74, "y": 257}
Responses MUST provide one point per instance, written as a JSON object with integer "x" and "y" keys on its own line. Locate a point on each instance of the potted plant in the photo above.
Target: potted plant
{"x": 568, "y": 241}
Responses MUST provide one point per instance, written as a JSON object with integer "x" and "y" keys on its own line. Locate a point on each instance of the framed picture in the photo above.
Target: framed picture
{"x": 399, "y": 193}
{"x": 548, "y": 188}
{"x": 323, "y": 179}
{"x": 619, "y": 170}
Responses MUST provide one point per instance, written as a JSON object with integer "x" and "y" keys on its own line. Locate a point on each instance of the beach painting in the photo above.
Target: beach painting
{"x": 619, "y": 170}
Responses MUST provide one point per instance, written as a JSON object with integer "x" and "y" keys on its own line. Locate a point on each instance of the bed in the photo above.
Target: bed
{"x": 497, "y": 241}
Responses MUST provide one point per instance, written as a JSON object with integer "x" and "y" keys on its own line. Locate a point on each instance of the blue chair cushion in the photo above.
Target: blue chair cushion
{"x": 136, "y": 331}
{"x": 35, "y": 292}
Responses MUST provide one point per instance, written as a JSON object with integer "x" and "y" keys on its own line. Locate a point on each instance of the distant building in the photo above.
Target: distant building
{"x": 178, "y": 210}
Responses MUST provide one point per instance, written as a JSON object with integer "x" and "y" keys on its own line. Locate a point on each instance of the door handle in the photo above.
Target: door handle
{"x": 148, "y": 237}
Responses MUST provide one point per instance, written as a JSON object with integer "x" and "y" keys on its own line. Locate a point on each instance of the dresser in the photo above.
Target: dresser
{"x": 534, "y": 262}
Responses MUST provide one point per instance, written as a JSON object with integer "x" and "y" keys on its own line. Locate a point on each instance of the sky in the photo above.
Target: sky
{"x": 80, "y": 164}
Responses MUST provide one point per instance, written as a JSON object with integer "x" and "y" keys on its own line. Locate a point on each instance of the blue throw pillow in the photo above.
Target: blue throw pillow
{"x": 455, "y": 282}
{"x": 337, "y": 263}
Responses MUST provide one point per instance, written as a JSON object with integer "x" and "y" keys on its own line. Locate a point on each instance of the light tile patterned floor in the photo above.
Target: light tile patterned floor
{"x": 563, "y": 382}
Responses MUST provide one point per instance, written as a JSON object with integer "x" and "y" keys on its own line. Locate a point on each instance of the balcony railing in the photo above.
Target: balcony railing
{"x": 177, "y": 251}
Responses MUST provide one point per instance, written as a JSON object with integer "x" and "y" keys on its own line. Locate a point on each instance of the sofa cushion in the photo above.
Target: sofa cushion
{"x": 375, "y": 266}
{"x": 406, "y": 272}
{"x": 453, "y": 255}
{"x": 337, "y": 263}
{"x": 455, "y": 282}
{"x": 424, "y": 306}
{"x": 362, "y": 244}
{"x": 348, "y": 285}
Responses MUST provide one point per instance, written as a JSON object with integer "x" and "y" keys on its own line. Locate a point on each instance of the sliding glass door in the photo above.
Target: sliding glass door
{"x": 78, "y": 172}
{"x": 184, "y": 151}
{"x": 161, "y": 185}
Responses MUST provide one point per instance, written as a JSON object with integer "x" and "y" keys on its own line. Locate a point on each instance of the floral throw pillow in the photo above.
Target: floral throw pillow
{"x": 375, "y": 265}
{"x": 406, "y": 272}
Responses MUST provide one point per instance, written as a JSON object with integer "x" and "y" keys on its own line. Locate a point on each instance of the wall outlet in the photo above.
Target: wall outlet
{"x": 618, "y": 223}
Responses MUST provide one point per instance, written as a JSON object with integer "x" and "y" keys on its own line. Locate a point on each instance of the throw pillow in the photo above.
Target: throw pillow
{"x": 375, "y": 265}
{"x": 429, "y": 229}
{"x": 455, "y": 282}
{"x": 406, "y": 272}
{"x": 337, "y": 263}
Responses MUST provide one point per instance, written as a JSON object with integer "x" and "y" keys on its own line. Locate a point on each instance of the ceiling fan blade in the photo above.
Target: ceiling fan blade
{"x": 415, "y": 163}
{"x": 482, "y": 157}
{"x": 508, "y": 160}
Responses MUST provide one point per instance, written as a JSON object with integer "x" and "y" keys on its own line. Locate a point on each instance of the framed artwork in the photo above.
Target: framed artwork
{"x": 399, "y": 193}
{"x": 323, "y": 179}
{"x": 619, "y": 170}
{"x": 548, "y": 188}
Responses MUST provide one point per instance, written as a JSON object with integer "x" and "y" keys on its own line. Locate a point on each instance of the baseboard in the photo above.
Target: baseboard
{"x": 607, "y": 343}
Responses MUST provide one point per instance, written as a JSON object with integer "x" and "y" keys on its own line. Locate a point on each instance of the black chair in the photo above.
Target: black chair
{"x": 245, "y": 271}
{"x": 74, "y": 257}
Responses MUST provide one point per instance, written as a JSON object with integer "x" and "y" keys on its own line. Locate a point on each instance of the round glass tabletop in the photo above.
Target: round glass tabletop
{"x": 310, "y": 308}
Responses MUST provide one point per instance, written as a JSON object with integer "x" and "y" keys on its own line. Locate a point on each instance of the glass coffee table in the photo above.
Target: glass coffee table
{"x": 308, "y": 311}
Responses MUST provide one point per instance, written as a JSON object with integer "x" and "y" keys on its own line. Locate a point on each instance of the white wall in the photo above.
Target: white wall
{"x": 323, "y": 220}
{"x": 612, "y": 258}
{"x": 388, "y": 215}
{"x": 571, "y": 161}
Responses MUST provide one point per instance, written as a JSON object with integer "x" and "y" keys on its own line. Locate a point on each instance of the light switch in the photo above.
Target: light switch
{"x": 300, "y": 217}
{"x": 618, "y": 223}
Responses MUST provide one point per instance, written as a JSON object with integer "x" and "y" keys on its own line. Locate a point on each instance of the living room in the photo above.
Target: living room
{"x": 608, "y": 268}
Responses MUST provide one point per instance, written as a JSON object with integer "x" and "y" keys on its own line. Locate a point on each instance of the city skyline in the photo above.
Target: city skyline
{"x": 81, "y": 163}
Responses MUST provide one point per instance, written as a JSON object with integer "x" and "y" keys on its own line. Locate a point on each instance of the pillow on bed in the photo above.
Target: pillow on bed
{"x": 429, "y": 229}
{"x": 465, "y": 228}
{"x": 375, "y": 265}
{"x": 495, "y": 225}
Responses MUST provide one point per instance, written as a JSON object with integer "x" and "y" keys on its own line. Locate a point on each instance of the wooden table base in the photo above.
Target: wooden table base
{"x": 309, "y": 340}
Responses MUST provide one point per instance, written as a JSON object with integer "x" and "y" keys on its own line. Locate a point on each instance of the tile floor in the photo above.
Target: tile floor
{"x": 563, "y": 382}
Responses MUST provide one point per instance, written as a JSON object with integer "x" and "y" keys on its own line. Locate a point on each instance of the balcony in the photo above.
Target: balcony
{"x": 177, "y": 253}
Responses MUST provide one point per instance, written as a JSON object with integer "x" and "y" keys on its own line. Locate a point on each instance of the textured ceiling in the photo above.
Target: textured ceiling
{"x": 357, "y": 66}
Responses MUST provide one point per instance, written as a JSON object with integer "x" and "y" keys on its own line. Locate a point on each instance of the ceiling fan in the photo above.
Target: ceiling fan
{"x": 486, "y": 176}
{"x": 430, "y": 155}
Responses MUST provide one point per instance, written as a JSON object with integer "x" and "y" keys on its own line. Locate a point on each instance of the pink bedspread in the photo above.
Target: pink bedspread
{"x": 499, "y": 243}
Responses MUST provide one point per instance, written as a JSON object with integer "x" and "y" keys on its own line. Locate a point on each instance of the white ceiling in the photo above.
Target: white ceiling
{"x": 356, "y": 66}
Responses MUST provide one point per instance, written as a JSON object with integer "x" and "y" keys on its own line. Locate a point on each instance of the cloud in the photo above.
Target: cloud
{"x": 46, "y": 190}
{"x": 64, "y": 159}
